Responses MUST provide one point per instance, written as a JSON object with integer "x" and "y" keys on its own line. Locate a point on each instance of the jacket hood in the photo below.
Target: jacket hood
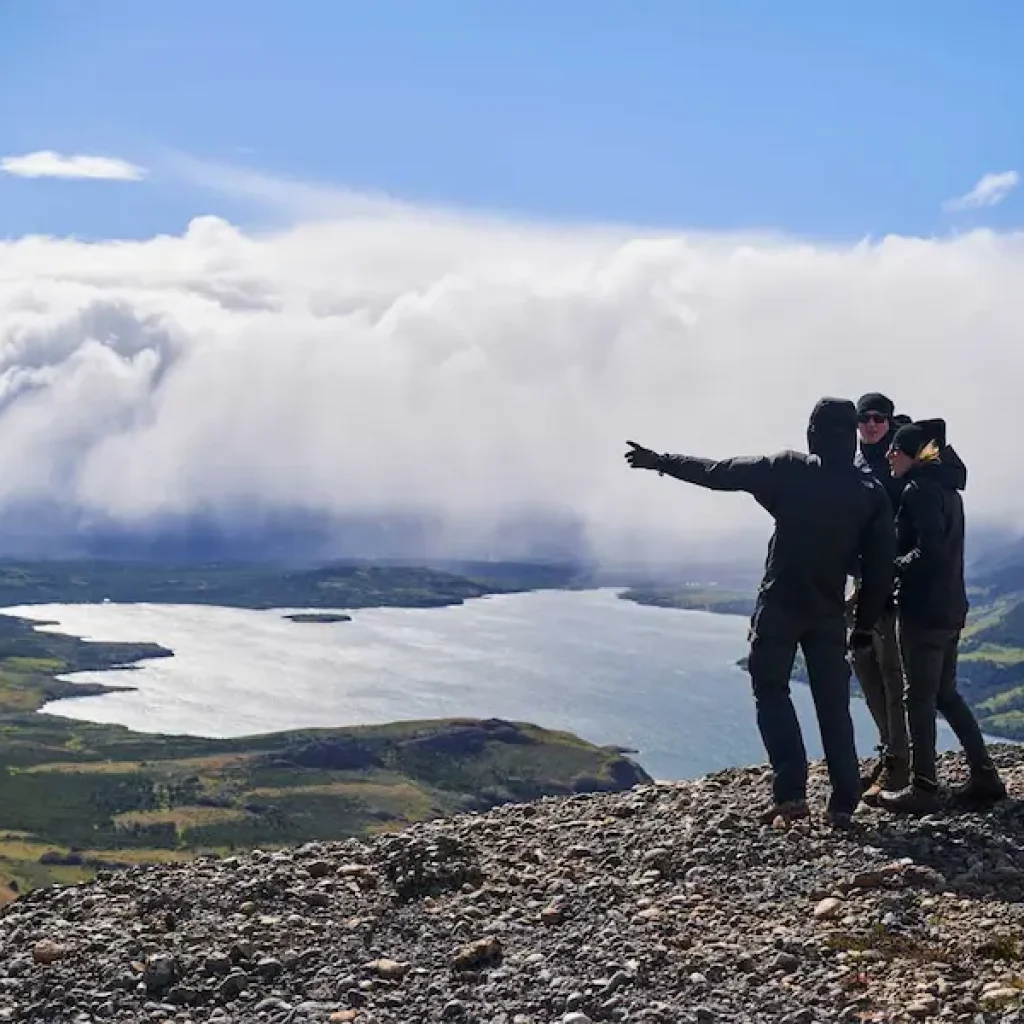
{"x": 935, "y": 429}
{"x": 949, "y": 470}
{"x": 832, "y": 431}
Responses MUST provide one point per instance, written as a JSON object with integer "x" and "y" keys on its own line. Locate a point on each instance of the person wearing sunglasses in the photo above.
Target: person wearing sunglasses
{"x": 877, "y": 664}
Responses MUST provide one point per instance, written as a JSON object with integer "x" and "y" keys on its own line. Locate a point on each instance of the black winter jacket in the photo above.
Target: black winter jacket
{"x": 828, "y": 515}
{"x": 930, "y": 546}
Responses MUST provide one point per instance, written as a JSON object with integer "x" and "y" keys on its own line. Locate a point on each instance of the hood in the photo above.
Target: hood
{"x": 832, "y": 431}
{"x": 935, "y": 429}
{"x": 950, "y": 470}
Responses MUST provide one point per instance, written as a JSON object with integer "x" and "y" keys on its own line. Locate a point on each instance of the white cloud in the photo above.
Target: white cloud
{"x": 404, "y": 360}
{"x": 47, "y": 164}
{"x": 990, "y": 190}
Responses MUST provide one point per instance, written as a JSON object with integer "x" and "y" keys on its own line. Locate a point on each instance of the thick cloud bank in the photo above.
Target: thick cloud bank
{"x": 411, "y": 368}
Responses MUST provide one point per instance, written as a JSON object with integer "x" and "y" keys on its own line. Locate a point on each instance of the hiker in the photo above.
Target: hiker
{"x": 827, "y": 514}
{"x": 932, "y": 610}
{"x": 877, "y": 665}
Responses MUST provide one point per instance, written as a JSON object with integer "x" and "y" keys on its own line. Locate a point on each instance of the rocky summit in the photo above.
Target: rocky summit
{"x": 666, "y": 903}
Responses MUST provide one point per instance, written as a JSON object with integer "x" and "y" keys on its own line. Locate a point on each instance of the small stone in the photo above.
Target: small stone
{"x": 269, "y": 968}
{"x": 453, "y": 1010}
{"x": 828, "y": 908}
{"x": 343, "y": 1016}
{"x": 392, "y": 970}
{"x": 318, "y": 869}
{"x": 477, "y": 955}
{"x": 159, "y": 973}
{"x": 787, "y": 962}
{"x": 576, "y": 1018}
{"x": 233, "y": 985}
{"x": 999, "y": 997}
{"x": 923, "y": 1006}
{"x": 217, "y": 963}
{"x": 552, "y": 915}
{"x": 46, "y": 951}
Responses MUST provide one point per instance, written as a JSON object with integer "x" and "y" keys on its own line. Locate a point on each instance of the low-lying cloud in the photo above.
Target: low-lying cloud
{"x": 408, "y": 366}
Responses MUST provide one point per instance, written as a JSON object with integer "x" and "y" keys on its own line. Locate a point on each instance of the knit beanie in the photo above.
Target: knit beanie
{"x": 875, "y": 402}
{"x": 911, "y": 439}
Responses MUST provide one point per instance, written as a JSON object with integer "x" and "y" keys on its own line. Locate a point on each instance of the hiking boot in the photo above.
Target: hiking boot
{"x": 867, "y": 781}
{"x": 893, "y": 776}
{"x": 983, "y": 789}
{"x": 841, "y": 821}
{"x": 917, "y": 798}
{"x": 790, "y": 810}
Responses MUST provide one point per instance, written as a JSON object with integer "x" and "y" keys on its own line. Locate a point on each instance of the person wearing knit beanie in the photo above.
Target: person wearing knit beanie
{"x": 877, "y": 663}
{"x": 932, "y": 611}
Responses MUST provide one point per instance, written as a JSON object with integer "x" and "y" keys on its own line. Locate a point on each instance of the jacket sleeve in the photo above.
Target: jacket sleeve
{"x": 877, "y": 555}
{"x": 757, "y": 475}
{"x": 924, "y": 513}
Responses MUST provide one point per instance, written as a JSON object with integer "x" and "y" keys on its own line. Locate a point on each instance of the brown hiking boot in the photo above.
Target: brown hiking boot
{"x": 982, "y": 790}
{"x": 791, "y": 810}
{"x": 867, "y": 781}
{"x": 893, "y": 776}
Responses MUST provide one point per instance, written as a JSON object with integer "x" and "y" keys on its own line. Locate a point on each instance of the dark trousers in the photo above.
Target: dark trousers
{"x": 929, "y": 662}
{"x": 880, "y": 674}
{"x": 775, "y": 636}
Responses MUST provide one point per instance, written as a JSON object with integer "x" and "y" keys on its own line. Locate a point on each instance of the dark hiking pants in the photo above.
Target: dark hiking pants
{"x": 929, "y": 662}
{"x": 774, "y": 639}
{"x": 880, "y": 674}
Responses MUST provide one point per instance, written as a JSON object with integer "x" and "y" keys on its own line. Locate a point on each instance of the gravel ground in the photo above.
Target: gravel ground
{"x": 667, "y": 903}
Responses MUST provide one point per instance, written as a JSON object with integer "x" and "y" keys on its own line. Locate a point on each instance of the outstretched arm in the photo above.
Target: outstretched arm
{"x": 754, "y": 474}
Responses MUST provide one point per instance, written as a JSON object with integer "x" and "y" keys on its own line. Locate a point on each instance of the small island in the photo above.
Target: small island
{"x": 319, "y": 617}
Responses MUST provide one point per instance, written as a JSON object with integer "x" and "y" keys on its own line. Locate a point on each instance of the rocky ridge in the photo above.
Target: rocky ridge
{"x": 666, "y": 903}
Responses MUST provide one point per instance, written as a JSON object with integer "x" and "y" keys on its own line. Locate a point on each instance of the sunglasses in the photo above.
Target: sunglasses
{"x": 872, "y": 417}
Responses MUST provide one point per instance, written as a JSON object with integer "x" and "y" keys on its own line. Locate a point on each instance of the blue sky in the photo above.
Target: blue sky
{"x": 834, "y": 120}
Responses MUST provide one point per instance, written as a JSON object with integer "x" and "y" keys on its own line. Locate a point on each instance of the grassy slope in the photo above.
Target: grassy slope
{"x": 75, "y": 796}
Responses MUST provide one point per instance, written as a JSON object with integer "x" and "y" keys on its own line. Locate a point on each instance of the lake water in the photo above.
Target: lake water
{"x": 661, "y": 681}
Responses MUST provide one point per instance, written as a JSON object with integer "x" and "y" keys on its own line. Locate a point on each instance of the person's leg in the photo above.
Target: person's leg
{"x": 869, "y": 675}
{"x": 828, "y": 671}
{"x": 923, "y": 654}
{"x": 890, "y": 665}
{"x": 772, "y": 652}
{"x": 955, "y": 710}
{"x": 985, "y": 784}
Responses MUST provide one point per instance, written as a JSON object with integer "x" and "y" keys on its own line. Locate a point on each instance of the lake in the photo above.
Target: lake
{"x": 661, "y": 681}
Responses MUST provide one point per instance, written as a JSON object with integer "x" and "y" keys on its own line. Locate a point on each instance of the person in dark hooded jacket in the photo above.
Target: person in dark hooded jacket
{"x": 878, "y": 666}
{"x": 932, "y": 605}
{"x": 828, "y": 514}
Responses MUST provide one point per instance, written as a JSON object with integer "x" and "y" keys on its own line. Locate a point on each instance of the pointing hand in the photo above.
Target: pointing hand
{"x": 639, "y": 457}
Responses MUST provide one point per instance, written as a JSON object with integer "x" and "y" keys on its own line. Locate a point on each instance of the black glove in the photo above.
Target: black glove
{"x": 861, "y": 638}
{"x": 639, "y": 457}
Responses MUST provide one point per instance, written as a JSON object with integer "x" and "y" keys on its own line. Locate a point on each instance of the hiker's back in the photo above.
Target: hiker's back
{"x": 820, "y": 515}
